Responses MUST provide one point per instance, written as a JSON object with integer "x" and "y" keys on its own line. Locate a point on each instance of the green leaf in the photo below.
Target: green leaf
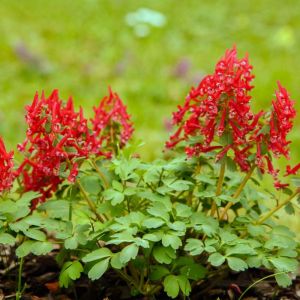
{"x": 98, "y": 269}
{"x": 287, "y": 253}
{"x": 227, "y": 237}
{"x": 128, "y": 253}
{"x": 71, "y": 243}
{"x": 7, "y": 239}
{"x": 97, "y": 254}
{"x": 115, "y": 197}
{"x": 159, "y": 209}
{"x": 179, "y": 185}
{"x": 115, "y": 261}
{"x": 256, "y": 230}
{"x": 171, "y": 286}
{"x": 27, "y": 198}
{"x": 171, "y": 240}
{"x": 289, "y": 208}
{"x": 117, "y": 186}
{"x": 25, "y": 248}
{"x": 205, "y": 224}
{"x": 254, "y": 261}
{"x": 216, "y": 259}
{"x": 177, "y": 226}
{"x": 153, "y": 237}
{"x": 283, "y": 280}
{"x": 182, "y": 210}
{"x": 194, "y": 246}
{"x": 153, "y": 223}
{"x": 184, "y": 284}
{"x": 35, "y": 234}
{"x": 158, "y": 272}
{"x": 164, "y": 255}
{"x": 240, "y": 249}
{"x": 193, "y": 271}
{"x": 56, "y": 208}
{"x": 296, "y": 181}
{"x": 91, "y": 184}
{"x": 70, "y": 271}
{"x": 284, "y": 263}
{"x": 236, "y": 264}
{"x": 42, "y": 248}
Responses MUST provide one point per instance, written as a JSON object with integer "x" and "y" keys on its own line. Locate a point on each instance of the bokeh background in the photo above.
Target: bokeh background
{"x": 150, "y": 52}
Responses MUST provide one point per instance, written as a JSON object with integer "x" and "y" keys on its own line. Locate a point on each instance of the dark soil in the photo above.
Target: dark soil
{"x": 41, "y": 277}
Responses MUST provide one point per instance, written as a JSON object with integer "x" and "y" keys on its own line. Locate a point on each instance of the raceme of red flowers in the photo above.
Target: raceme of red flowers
{"x": 6, "y": 168}
{"x": 218, "y": 111}
{"x": 58, "y": 138}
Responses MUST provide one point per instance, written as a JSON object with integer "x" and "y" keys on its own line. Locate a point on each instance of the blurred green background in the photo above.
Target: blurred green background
{"x": 150, "y": 57}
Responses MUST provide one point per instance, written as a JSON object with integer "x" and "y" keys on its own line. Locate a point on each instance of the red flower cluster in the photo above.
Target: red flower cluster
{"x": 111, "y": 122}
{"x": 219, "y": 111}
{"x": 219, "y": 106}
{"x": 58, "y": 137}
{"x": 6, "y": 168}
{"x": 281, "y": 122}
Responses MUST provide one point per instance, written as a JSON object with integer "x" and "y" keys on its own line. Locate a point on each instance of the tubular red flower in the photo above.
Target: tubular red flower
{"x": 6, "y": 168}
{"x": 111, "y": 122}
{"x": 292, "y": 171}
{"x": 219, "y": 106}
{"x": 281, "y": 122}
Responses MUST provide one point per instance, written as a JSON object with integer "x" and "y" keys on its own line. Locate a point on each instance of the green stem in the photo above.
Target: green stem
{"x": 238, "y": 191}
{"x": 90, "y": 202}
{"x": 219, "y": 187}
{"x": 129, "y": 280}
{"x": 276, "y": 208}
{"x": 70, "y": 209}
{"x": 19, "y": 291}
{"x": 101, "y": 175}
{"x": 258, "y": 281}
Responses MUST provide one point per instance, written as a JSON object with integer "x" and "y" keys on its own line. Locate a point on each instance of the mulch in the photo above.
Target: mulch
{"x": 41, "y": 277}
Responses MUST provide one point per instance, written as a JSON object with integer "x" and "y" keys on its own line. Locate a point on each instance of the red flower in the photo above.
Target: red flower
{"x": 6, "y": 168}
{"x": 219, "y": 106}
{"x": 292, "y": 171}
{"x": 281, "y": 122}
{"x": 56, "y": 135}
{"x": 111, "y": 123}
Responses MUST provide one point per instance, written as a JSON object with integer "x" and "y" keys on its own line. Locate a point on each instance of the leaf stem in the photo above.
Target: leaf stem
{"x": 100, "y": 173}
{"x": 276, "y": 208}
{"x": 19, "y": 291}
{"x": 90, "y": 202}
{"x": 129, "y": 280}
{"x": 258, "y": 281}
{"x": 219, "y": 187}
{"x": 238, "y": 191}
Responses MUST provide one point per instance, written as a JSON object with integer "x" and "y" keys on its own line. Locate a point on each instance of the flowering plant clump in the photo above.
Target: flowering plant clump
{"x": 174, "y": 225}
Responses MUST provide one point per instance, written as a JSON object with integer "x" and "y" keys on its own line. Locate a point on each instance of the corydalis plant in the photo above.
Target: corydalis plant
{"x": 58, "y": 138}
{"x": 216, "y": 116}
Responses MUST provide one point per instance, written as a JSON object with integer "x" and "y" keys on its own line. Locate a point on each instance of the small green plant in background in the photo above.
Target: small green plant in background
{"x": 162, "y": 226}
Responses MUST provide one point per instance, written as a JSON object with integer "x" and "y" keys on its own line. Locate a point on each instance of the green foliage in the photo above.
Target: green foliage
{"x": 156, "y": 229}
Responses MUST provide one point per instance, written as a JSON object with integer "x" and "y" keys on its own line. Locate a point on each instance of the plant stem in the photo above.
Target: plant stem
{"x": 19, "y": 291}
{"x": 276, "y": 208}
{"x": 90, "y": 202}
{"x": 70, "y": 209}
{"x": 99, "y": 172}
{"x": 238, "y": 191}
{"x": 219, "y": 187}
{"x": 258, "y": 281}
{"x": 129, "y": 280}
